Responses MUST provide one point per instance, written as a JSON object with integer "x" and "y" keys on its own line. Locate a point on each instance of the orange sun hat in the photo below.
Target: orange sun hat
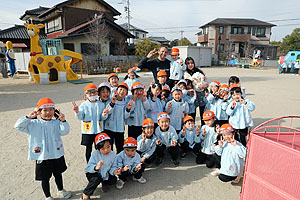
{"x": 112, "y": 75}
{"x": 217, "y": 83}
{"x": 174, "y": 52}
{"x": 224, "y": 87}
{"x": 130, "y": 142}
{"x": 123, "y": 85}
{"x": 101, "y": 137}
{"x": 187, "y": 118}
{"x": 148, "y": 122}
{"x": 208, "y": 115}
{"x": 161, "y": 73}
{"x": 45, "y": 103}
{"x": 90, "y": 86}
{"x": 137, "y": 85}
{"x": 163, "y": 115}
{"x": 226, "y": 128}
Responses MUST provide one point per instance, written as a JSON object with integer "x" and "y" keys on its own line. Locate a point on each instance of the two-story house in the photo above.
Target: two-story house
{"x": 239, "y": 37}
{"x": 137, "y": 32}
{"x": 76, "y": 22}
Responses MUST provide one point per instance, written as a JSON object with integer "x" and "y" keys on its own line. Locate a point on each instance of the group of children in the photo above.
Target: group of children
{"x": 290, "y": 67}
{"x": 159, "y": 119}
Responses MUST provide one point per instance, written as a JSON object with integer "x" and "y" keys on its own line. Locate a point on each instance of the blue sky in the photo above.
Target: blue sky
{"x": 161, "y": 17}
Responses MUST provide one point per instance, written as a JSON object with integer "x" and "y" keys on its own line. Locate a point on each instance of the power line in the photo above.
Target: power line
{"x": 281, "y": 20}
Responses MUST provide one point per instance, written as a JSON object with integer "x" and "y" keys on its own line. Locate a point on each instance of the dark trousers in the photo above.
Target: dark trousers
{"x": 207, "y": 159}
{"x": 46, "y": 184}
{"x": 221, "y": 122}
{"x": 201, "y": 110}
{"x": 94, "y": 180}
{"x": 149, "y": 160}
{"x": 116, "y": 137}
{"x": 185, "y": 147}
{"x": 217, "y": 159}
{"x": 173, "y": 151}
{"x": 134, "y": 131}
{"x": 124, "y": 175}
{"x": 241, "y": 136}
{"x": 226, "y": 178}
{"x": 296, "y": 70}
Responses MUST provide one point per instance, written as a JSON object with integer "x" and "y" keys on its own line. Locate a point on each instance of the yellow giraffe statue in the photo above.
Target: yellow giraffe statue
{"x": 47, "y": 69}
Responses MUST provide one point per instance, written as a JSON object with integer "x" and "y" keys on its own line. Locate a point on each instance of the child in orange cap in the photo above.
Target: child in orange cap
{"x": 100, "y": 166}
{"x": 45, "y": 144}
{"x": 233, "y": 155}
{"x": 147, "y": 142}
{"x": 140, "y": 105}
{"x": 209, "y": 136}
{"x": 113, "y": 80}
{"x": 177, "y": 66}
{"x": 234, "y": 80}
{"x": 189, "y": 137}
{"x": 165, "y": 95}
{"x": 167, "y": 139}
{"x": 131, "y": 78}
{"x": 115, "y": 123}
{"x": 162, "y": 78}
{"x": 156, "y": 104}
{"x": 92, "y": 114}
{"x": 129, "y": 162}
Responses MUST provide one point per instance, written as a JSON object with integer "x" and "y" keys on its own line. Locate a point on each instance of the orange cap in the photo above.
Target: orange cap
{"x": 161, "y": 73}
{"x": 187, "y": 118}
{"x": 111, "y": 75}
{"x": 208, "y": 115}
{"x": 234, "y": 85}
{"x": 123, "y": 85}
{"x": 131, "y": 70}
{"x": 224, "y": 87}
{"x": 137, "y": 85}
{"x": 101, "y": 137}
{"x": 148, "y": 122}
{"x": 166, "y": 88}
{"x": 174, "y": 51}
{"x": 163, "y": 115}
{"x": 130, "y": 142}
{"x": 90, "y": 86}
{"x": 45, "y": 103}
{"x": 226, "y": 128}
{"x": 217, "y": 83}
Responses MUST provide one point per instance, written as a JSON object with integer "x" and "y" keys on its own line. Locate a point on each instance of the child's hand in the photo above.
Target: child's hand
{"x": 206, "y": 94}
{"x": 143, "y": 159}
{"x": 61, "y": 116}
{"x": 170, "y": 105}
{"x": 173, "y": 143}
{"x": 242, "y": 101}
{"x": 138, "y": 167}
{"x": 233, "y": 142}
{"x": 218, "y": 128}
{"x": 183, "y": 131}
{"x": 144, "y": 96}
{"x": 33, "y": 114}
{"x": 118, "y": 171}
{"x": 181, "y": 62}
{"x": 221, "y": 141}
{"x": 197, "y": 130}
{"x": 99, "y": 165}
{"x": 195, "y": 93}
{"x": 203, "y": 132}
{"x": 106, "y": 110}
{"x": 144, "y": 136}
{"x": 75, "y": 107}
{"x": 158, "y": 142}
{"x": 129, "y": 105}
{"x": 152, "y": 82}
{"x": 114, "y": 97}
{"x": 126, "y": 168}
{"x": 233, "y": 104}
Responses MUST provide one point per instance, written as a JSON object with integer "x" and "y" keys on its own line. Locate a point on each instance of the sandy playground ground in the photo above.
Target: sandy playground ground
{"x": 274, "y": 95}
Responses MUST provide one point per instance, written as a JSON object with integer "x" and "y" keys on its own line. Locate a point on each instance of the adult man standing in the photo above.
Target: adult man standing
{"x": 159, "y": 63}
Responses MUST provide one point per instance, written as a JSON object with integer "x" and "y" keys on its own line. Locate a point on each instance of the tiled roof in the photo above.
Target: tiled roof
{"x": 17, "y": 32}
{"x": 159, "y": 39}
{"x": 36, "y": 11}
{"x": 133, "y": 28}
{"x": 238, "y": 21}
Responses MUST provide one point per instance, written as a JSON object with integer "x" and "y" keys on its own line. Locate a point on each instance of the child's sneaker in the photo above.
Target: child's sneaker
{"x": 159, "y": 161}
{"x": 216, "y": 172}
{"x": 64, "y": 194}
{"x": 140, "y": 180}
{"x": 105, "y": 187}
{"x": 120, "y": 184}
{"x": 85, "y": 198}
{"x": 49, "y": 198}
{"x": 237, "y": 180}
{"x": 182, "y": 155}
{"x": 175, "y": 162}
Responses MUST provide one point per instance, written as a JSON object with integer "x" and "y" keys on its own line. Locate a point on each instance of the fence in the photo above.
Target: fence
{"x": 273, "y": 160}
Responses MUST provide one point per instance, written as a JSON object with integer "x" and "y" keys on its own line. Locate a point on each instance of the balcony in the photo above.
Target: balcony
{"x": 239, "y": 37}
{"x": 203, "y": 38}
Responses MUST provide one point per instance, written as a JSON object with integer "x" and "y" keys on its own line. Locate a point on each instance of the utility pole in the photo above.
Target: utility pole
{"x": 128, "y": 14}
{"x": 181, "y": 33}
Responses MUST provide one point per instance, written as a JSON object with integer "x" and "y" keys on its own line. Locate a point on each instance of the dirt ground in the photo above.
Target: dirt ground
{"x": 274, "y": 95}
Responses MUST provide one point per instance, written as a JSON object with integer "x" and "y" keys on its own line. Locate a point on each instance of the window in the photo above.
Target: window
{"x": 233, "y": 47}
{"x": 54, "y": 25}
{"x": 137, "y": 35}
{"x": 88, "y": 48}
{"x": 69, "y": 46}
{"x": 237, "y": 30}
{"x": 254, "y": 31}
{"x": 220, "y": 47}
{"x": 249, "y": 30}
{"x": 261, "y": 31}
{"x": 205, "y": 30}
{"x": 221, "y": 29}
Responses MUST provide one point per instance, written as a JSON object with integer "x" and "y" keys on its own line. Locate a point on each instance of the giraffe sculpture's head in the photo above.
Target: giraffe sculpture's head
{"x": 33, "y": 29}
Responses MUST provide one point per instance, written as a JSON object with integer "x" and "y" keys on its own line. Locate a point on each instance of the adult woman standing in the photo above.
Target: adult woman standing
{"x": 200, "y": 82}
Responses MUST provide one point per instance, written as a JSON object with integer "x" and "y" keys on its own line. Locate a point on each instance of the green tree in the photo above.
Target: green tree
{"x": 144, "y": 46}
{"x": 291, "y": 42}
{"x": 185, "y": 42}
{"x": 174, "y": 43}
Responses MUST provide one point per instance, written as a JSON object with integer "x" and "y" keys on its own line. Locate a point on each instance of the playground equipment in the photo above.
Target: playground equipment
{"x": 47, "y": 63}
{"x": 291, "y": 56}
{"x": 273, "y": 160}
{"x": 3, "y": 67}
{"x": 11, "y": 58}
